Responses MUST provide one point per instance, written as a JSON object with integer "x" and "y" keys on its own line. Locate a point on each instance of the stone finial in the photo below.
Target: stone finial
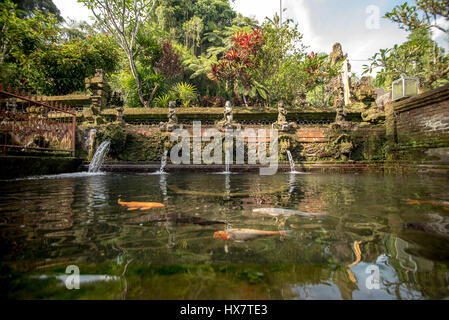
{"x": 99, "y": 90}
{"x": 172, "y": 123}
{"x": 120, "y": 115}
{"x": 337, "y": 84}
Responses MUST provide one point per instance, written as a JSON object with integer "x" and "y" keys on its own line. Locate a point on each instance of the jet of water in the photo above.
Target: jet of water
{"x": 99, "y": 156}
{"x": 163, "y": 162}
{"x": 292, "y": 163}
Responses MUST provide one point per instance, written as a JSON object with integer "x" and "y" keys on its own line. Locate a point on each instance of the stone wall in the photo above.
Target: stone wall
{"x": 17, "y": 167}
{"x": 419, "y": 125}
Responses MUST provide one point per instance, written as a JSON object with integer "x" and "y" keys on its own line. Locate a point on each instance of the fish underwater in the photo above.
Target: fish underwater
{"x": 276, "y": 212}
{"x": 175, "y": 218}
{"x": 432, "y": 202}
{"x": 240, "y": 235}
{"x": 140, "y": 205}
{"x": 358, "y": 254}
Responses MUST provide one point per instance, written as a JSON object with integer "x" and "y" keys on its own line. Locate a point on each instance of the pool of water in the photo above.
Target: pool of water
{"x": 366, "y": 241}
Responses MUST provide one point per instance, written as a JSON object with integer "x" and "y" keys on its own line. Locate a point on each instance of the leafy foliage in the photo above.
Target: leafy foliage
{"x": 62, "y": 68}
{"x": 36, "y": 55}
{"x": 185, "y": 92}
{"x": 169, "y": 64}
{"x": 30, "y": 6}
{"x": 419, "y": 57}
{"x": 237, "y": 64}
{"x": 426, "y": 14}
{"x": 162, "y": 101}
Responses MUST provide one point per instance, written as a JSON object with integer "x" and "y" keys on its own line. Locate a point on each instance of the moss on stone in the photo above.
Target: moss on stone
{"x": 18, "y": 167}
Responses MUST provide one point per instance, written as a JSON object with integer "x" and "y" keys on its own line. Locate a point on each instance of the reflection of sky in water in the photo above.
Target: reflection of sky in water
{"x": 390, "y": 287}
{"x": 83, "y": 278}
{"x": 317, "y": 292}
{"x": 228, "y": 184}
{"x": 291, "y": 182}
{"x": 96, "y": 191}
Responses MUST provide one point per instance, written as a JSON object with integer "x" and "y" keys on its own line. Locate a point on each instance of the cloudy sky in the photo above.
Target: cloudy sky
{"x": 356, "y": 24}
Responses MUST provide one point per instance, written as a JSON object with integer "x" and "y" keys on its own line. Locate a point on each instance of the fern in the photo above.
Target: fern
{"x": 162, "y": 101}
{"x": 185, "y": 92}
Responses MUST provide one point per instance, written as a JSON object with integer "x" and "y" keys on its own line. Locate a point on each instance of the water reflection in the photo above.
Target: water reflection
{"x": 49, "y": 225}
{"x": 163, "y": 186}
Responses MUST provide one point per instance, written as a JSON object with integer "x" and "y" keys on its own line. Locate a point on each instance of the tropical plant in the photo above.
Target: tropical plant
{"x": 185, "y": 92}
{"x": 426, "y": 14}
{"x": 419, "y": 57}
{"x": 62, "y": 68}
{"x": 236, "y": 66}
{"x": 169, "y": 64}
{"x": 36, "y": 54}
{"x": 162, "y": 101}
{"x": 285, "y": 69}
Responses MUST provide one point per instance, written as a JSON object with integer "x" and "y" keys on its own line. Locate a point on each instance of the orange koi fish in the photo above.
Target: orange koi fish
{"x": 358, "y": 254}
{"x": 435, "y": 203}
{"x": 140, "y": 205}
{"x": 241, "y": 235}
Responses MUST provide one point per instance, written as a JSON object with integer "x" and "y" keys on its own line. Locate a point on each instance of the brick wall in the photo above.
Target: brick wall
{"x": 421, "y": 121}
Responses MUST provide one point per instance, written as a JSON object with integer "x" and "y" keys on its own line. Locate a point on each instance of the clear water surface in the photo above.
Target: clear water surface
{"x": 50, "y": 223}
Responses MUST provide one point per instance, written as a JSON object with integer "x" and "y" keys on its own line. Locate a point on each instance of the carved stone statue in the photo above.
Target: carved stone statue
{"x": 120, "y": 115}
{"x": 340, "y": 120}
{"x": 341, "y": 115}
{"x": 226, "y": 123}
{"x": 282, "y": 123}
{"x": 172, "y": 123}
{"x": 172, "y": 118}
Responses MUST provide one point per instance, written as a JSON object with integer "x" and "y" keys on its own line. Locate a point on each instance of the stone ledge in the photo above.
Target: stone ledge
{"x": 397, "y": 167}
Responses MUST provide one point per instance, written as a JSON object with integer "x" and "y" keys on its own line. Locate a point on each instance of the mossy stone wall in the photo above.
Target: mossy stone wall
{"x": 18, "y": 167}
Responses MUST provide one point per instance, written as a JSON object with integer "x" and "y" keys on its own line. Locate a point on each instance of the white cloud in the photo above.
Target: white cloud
{"x": 73, "y": 9}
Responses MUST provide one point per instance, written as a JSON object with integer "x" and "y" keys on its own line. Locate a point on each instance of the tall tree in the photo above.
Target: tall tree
{"x": 46, "y": 6}
{"x": 426, "y": 14}
{"x": 419, "y": 57}
{"x": 123, "y": 19}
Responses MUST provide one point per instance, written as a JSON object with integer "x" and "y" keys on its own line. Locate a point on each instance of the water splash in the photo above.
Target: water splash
{"x": 99, "y": 156}
{"x": 163, "y": 162}
{"x": 292, "y": 162}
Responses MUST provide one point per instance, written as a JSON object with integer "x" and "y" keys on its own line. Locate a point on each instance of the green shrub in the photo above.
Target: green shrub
{"x": 185, "y": 92}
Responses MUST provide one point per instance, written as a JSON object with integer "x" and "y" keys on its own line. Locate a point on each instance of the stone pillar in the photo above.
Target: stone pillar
{"x": 390, "y": 123}
{"x": 120, "y": 115}
{"x": 99, "y": 90}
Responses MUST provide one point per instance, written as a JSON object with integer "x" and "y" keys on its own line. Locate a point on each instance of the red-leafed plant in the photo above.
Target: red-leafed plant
{"x": 169, "y": 65}
{"x": 236, "y": 65}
